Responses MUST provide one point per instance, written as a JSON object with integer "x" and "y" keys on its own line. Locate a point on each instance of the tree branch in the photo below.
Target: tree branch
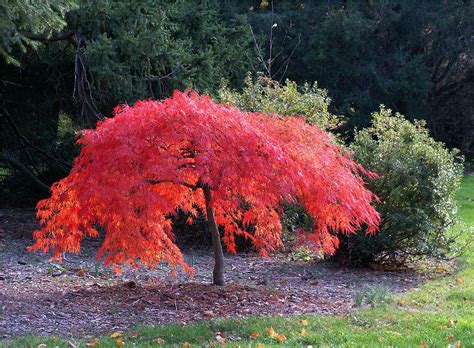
{"x": 24, "y": 140}
{"x": 156, "y": 182}
{"x": 50, "y": 38}
{"x": 18, "y": 166}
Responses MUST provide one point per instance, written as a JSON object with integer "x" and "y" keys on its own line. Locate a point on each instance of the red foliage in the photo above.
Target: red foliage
{"x": 137, "y": 169}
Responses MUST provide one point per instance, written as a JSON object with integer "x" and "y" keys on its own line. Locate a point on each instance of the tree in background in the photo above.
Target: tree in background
{"x": 88, "y": 59}
{"x": 416, "y": 57}
{"x": 188, "y": 153}
{"x": 69, "y": 63}
{"x": 146, "y": 49}
{"x": 23, "y": 23}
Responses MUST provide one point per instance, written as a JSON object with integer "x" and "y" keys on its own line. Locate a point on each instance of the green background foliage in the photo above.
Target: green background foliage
{"x": 269, "y": 96}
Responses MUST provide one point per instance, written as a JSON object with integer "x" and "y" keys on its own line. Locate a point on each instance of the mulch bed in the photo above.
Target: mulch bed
{"x": 80, "y": 297}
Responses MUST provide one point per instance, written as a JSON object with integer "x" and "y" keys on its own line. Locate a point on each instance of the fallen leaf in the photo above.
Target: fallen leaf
{"x": 271, "y": 332}
{"x": 92, "y": 342}
{"x": 424, "y": 344}
{"x": 119, "y": 342}
{"x": 254, "y": 335}
{"x": 303, "y": 332}
{"x": 452, "y": 322}
{"x": 209, "y": 314}
{"x": 116, "y": 334}
{"x": 73, "y": 344}
{"x": 134, "y": 334}
{"x": 281, "y": 338}
{"x": 220, "y": 339}
{"x": 186, "y": 345}
{"x": 450, "y": 338}
{"x": 259, "y": 345}
{"x": 80, "y": 272}
{"x": 402, "y": 301}
{"x": 441, "y": 270}
{"x": 459, "y": 280}
{"x": 159, "y": 341}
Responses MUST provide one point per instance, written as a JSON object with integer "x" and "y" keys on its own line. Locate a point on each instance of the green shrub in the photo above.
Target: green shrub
{"x": 269, "y": 96}
{"x": 418, "y": 180}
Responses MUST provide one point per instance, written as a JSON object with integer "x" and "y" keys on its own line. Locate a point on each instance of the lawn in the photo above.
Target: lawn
{"x": 439, "y": 314}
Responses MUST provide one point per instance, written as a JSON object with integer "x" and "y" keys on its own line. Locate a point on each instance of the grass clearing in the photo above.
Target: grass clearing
{"x": 439, "y": 314}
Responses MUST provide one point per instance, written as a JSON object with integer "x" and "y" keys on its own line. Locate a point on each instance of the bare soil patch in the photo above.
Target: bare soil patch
{"x": 80, "y": 297}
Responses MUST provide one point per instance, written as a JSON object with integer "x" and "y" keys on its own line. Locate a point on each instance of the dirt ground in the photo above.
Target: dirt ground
{"x": 80, "y": 297}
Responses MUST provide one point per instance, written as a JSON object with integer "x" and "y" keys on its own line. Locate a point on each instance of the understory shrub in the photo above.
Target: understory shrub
{"x": 418, "y": 180}
{"x": 269, "y": 96}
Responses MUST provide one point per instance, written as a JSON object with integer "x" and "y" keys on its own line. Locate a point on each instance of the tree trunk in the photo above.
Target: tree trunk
{"x": 218, "y": 273}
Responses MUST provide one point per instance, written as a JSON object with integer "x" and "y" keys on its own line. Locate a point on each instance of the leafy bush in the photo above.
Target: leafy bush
{"x": 269, "y": 96}
{"x": 418, "y": 180}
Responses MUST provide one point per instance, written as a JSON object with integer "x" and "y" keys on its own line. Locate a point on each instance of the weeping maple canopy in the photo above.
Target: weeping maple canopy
{"x": 137, "y": 169}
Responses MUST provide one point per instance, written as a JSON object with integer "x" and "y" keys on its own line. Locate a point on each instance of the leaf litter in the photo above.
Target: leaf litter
{"x": 79, "y": 297}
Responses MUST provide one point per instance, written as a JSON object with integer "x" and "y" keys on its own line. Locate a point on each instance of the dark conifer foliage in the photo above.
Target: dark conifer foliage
{"x": 65, "y": 64}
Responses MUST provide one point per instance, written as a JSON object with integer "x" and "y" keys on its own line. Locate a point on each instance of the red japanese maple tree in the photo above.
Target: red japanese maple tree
{"x": 188, "y": 153}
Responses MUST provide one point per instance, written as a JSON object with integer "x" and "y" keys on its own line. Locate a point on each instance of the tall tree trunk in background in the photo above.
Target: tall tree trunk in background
{"x": 218, "y": 273}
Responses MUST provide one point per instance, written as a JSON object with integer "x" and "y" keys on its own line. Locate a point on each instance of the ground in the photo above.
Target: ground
{"x": 80, "y": 297}
{"x": 43, "y": 300}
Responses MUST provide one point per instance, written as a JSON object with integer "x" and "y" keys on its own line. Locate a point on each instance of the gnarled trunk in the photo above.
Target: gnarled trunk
{"x": 218, "y": 273}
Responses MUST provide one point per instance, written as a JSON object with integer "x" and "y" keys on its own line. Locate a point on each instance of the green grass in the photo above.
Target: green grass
{"x": 439, "y": 314}
{"x": 465, "y": 197}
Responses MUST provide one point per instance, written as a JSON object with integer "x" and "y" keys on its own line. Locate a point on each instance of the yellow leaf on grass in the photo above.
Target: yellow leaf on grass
{"x": 303, "y": 332}
{"x": 451, "y": 322}
{"x": 186, "y": 345}
{"x": 402, "y": 301}
{"x": 459, "y": 280}
{"x": 119, "y": 342}
{"x": 116, "y": 334}
{"x": 304, "y": 322}
{"x": 271, "y": 332}
{"x": 254, "y": 335}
